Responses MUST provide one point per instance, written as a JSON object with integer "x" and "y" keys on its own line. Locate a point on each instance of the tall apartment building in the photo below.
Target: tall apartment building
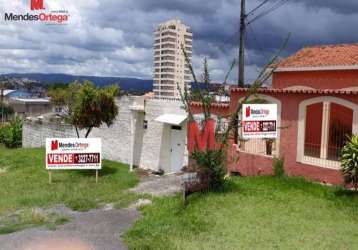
{"x": 170, "y": 67}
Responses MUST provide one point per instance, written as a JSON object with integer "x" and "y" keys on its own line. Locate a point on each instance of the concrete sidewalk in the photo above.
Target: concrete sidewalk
{"x": 159, "y": 185}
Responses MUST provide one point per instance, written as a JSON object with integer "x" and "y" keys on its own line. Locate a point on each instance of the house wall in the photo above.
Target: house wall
{"x": 248, "y": 164}
{"x": 28, "y": 109}
{"x": 335, "y": 79}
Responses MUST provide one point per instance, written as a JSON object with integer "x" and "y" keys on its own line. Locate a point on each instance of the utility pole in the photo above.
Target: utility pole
{"x": 2, "y": 86}
{"x": 2, "y": 105}
{"x": 241, "y": 72}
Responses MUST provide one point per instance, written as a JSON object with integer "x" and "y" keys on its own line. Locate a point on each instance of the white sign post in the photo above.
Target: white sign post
{"x": 73, "y": 153}
{"x": 259, "y": 121}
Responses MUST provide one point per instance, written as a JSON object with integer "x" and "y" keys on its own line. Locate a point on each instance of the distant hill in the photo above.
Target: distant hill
{"x": 126, "y": 84}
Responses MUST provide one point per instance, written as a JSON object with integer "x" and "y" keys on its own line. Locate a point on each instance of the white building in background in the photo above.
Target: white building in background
{"x": 170, "y": 66}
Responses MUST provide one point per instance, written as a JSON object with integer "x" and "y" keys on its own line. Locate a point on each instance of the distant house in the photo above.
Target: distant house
{"x": 26, "y": 107}
{"x": 11, "y": 93}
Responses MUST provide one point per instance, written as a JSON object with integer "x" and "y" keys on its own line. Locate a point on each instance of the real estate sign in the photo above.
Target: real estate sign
{"x": 259, "y": 121}
{"x": 73, "y": 153}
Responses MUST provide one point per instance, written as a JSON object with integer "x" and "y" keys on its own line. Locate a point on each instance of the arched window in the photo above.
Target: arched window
{"x": 325, "y": 123}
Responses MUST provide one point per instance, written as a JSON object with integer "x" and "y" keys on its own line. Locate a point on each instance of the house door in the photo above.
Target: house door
{"x": 177, "y": 148}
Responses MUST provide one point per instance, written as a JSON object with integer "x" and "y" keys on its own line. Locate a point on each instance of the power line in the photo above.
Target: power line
{"x": 258, "y": 43}
{"x": 257, "y": 7}
{"x": 255, "y": 38}
{"x": 278, "y": 4}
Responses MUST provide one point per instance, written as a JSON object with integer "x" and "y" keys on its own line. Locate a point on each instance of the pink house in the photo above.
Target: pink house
{"x": 316, "y": 91}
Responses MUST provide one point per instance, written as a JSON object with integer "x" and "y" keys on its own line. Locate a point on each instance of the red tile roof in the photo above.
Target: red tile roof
{"x": 342, "y": 55}
{"x": 214, "y": 104}
{"x": 300, "y": 91}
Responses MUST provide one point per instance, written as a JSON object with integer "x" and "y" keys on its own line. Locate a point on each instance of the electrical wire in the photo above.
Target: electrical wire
{"x": 251, "y": 12}
{"x": 276, "y": 5}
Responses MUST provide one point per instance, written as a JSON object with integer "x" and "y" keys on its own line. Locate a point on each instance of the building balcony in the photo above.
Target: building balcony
{"x": 167, "y": 93}
{"x": 169, "y": 39}
{"x": 167, "y": 87}
{"x": 168, "y": 58}
{"x": 171, "y": 70}
{"x": 168, "y": 46}
{"x": 169, "y": 33}
{"x": 168, "y": 76}
{"x": 167, "y": 65}
{"x": 168, "y": 52}
{"x": 166, "y": 82}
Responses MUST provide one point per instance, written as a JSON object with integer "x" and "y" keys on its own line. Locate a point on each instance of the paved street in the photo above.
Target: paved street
{"x": 94, "y": 230}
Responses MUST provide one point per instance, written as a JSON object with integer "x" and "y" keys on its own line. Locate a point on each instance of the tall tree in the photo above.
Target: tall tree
{"x": 3, "y": 85}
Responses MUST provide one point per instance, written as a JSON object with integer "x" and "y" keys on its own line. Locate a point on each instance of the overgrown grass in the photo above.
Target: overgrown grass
{"x": 24, "y": 184}
{"x": 30, "y": 218}
{"x": 252, "y": 213}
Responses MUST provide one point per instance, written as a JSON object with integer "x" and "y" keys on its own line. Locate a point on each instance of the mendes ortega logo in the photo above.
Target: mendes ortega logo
{"x": 37, "y": 5}
{"x": 259, "y": 121}
{"x": 201, "y": 139}
{"x": 39, "y": 15}
{"x": 54, "y": 145}
{"x": 248, "y": 111}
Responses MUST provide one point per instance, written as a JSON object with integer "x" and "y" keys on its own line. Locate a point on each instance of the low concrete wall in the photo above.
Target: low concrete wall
{"x": 115, "y": 140}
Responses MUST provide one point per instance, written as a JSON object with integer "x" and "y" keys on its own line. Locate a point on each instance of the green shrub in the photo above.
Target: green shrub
{"x": 7, "y": 111}
{"x": 278, "y": 167}
{"x": 211, "y": 165}
{"x": 2, "y": 132}
{"x": 349, "y": 161}
{"x": 11, "y": 134}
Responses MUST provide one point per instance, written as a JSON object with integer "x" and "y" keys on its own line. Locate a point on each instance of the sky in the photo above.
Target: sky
{"x": 115, "y": 37}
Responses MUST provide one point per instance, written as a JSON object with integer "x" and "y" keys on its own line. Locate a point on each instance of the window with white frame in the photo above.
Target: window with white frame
{"x": 324, "y": 126}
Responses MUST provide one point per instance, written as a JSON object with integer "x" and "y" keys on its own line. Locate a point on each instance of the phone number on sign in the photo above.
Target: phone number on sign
{"x": 82, "y": 158}
{"x": 87, "y": 158}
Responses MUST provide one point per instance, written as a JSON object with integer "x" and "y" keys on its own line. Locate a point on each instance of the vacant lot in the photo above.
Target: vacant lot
{"x": 252, "y": 213}
{"x": 24, "y": 186}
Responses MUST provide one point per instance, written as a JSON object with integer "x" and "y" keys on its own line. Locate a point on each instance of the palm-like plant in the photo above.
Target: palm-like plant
{"x": 349, "y": 162}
